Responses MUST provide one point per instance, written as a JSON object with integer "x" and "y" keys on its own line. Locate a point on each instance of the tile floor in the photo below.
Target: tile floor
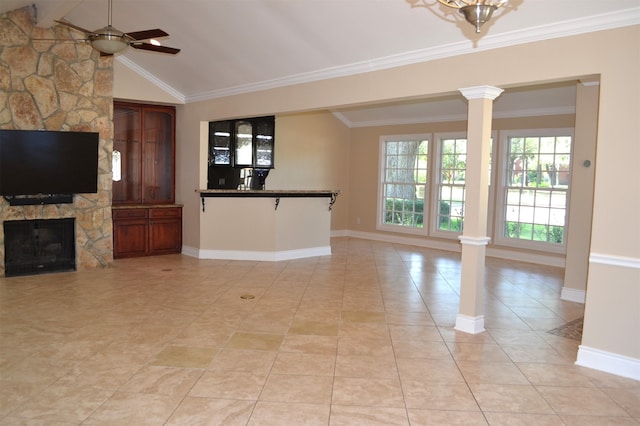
{"x": 362, "y": 337}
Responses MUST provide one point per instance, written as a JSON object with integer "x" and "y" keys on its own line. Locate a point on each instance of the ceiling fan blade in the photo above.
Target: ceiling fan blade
{"x": 161, "y": 49}
{"x": 75, "y": 27}
{"x": 147, "y": 34}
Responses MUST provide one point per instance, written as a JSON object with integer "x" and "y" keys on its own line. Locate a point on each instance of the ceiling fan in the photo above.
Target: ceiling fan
{"x": 109, "y": 40}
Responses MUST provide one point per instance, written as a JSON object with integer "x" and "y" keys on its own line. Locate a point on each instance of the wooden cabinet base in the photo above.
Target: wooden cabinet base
{"x": 146, "y": 231}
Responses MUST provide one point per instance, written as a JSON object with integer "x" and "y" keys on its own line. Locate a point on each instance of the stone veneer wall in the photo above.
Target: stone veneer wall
{"x": 62, "y": 86}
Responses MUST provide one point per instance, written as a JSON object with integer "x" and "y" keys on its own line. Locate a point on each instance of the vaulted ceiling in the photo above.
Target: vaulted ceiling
{"x": 236, "y": 46}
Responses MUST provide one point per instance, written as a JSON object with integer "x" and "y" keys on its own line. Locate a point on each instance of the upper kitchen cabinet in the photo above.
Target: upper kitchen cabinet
{"x": 143, "y": 154}
{"x": 243, "y": 143}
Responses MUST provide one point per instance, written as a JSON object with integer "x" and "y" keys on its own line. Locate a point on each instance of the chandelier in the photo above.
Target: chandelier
{"x": 476, "y": 12}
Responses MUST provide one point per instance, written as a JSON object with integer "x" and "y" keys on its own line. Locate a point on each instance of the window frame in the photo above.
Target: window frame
{"x": 501, "y": 191}
{"x": 382, "y": 167}
{"x": 437, "y": 174}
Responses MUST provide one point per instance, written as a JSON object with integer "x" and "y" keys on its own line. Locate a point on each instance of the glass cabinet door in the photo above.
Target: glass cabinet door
{"x": 220, "y": 143}
{"x": 244, "y": 144}
{"x": 127, "y": 148}
{"x": 264, "y": 144}
{"x": 158, "y": 157}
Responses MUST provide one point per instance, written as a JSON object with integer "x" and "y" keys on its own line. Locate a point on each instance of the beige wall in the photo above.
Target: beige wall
{"x": 612, "y": 55}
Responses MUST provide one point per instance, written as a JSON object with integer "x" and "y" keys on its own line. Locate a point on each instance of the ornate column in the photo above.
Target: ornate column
{"x": 474, "y": 237}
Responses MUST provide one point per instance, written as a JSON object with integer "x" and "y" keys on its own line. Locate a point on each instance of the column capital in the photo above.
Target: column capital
{"x": 481, "y": 92}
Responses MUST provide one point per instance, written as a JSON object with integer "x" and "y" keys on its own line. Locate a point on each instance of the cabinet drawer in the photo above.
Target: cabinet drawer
{"x": 130, "y": 213}
{"x": 165, "y": 212}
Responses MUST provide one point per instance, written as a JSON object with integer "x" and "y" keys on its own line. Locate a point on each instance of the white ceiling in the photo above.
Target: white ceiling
{"x": 236, "y": 46}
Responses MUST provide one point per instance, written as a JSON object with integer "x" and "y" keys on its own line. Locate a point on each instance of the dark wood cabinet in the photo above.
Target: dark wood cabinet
{"x": 165, "y": 230}
{"x": 145, "y": 219}
{"x": 130, "y": 232}
{"x": 143, "y": 154}
{"x": 146, "y": 231}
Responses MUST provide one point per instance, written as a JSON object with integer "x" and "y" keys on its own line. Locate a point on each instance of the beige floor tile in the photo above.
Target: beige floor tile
{"x": 279, "y": 413}
{"x": 554, "y": 375}
{"x": 367, "y": 416}
{"x": 293, "y": 388}
{"x": 304, "y": 364}
{"x": 162, "y": 380}
{"x": 599, "y": 421}
{"x": 364, "y": 316}
{"x": 438, "y": 396}
{"x": 364, "y": 330}
{"x": 367, "y": 392}
{"x": 629, "y": 399}
{"x": 243, "y": 361}
{"x": 414, "y": 332}
{"x": 259, "y": 341}
{"x": 419, "y": 417}
{"x": 308, "y": 327}
{"x": 61, "y": 404}
{"x": 320, "y": 345}
{"x": 510, "y": 399}
{"x": 134, "y": 408}
{"x": 487, "y": 352}
{"x": 421, "y": 349}
{"x": 366, "y": 366}
{"x": 429, "y": 370}
{"x": 228, "y": 385}
{"x": 515, "y": 419}
{"x": 211, "y": 411}
{"x": 188, "y": 357}
{"x": 504, "y": 373}
{"x": 581, "y": 401}
{"x": 364, "y": 346}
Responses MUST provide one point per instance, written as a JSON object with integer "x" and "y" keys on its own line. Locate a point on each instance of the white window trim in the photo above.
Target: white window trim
{"x": 501, "y": 240}
{"x": 435, "y": 174}
{"x": 380, "y": 225}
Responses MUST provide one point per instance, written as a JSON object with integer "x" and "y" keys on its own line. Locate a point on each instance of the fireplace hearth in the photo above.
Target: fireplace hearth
{"x": 39, "y": 246}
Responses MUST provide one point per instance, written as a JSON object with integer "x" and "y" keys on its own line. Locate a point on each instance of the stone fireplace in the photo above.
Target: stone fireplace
{"x": 62, "y": 87}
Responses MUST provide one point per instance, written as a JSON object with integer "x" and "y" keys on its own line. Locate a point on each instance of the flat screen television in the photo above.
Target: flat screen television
{"x": 34, "y": 162}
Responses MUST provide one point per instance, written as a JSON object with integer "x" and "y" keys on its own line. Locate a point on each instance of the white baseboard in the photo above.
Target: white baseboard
{"x": 467, "y": 324}
{"x": 263, "y": 256}
{"x": 609, "y": 362}
{"x": 573, "y": 295}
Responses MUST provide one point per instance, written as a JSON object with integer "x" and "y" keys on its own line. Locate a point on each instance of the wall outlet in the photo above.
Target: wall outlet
{"x": 357, "y": 221}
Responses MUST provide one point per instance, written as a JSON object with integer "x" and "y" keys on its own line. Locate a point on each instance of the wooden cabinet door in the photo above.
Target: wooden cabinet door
{"x": 165, "y": 231}
{"x": 127, "y": 155}
{"x": 158, "y": 164}
{"x": 130, "y": 233}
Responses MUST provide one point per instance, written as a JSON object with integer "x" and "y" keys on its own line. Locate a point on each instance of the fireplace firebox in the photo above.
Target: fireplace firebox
{"x": 39, "y": 246}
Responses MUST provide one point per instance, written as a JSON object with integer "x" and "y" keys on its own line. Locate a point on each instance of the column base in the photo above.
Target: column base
{"x": 471, "y": 325}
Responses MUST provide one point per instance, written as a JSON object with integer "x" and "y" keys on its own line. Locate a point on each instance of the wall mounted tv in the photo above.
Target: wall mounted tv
{"x": 35, "y": 162}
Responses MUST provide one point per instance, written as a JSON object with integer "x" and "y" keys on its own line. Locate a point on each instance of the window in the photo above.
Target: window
{"x": 536, "y": 184}
{"x": 425, "y": 194}
{"x": 404, "y": 176}
{"x": 451, "y": 184}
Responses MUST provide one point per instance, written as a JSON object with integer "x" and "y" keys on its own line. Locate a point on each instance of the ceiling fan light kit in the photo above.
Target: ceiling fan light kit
{"x": 109, "y": 40}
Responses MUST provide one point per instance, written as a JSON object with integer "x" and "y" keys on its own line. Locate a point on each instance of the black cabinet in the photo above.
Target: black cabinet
{"x": 241, "y": 152}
